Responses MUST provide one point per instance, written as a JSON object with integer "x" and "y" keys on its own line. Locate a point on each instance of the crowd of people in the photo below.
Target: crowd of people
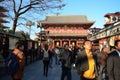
{"x": 90, "y": 64}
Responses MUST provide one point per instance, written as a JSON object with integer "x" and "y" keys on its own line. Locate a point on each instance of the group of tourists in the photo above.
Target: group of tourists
{"x": 90, "y": 64}
{"x": 99, "y": 65}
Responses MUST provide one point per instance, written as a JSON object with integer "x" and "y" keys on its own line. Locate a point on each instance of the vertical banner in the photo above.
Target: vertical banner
{"x": 112, "y": 41}
{"x": 36, "y": 45}
{"x": 12, "y": 42}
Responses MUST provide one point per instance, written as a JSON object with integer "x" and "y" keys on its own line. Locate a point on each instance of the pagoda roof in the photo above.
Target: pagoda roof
{"x": 112, "y": 14}
{"x": 2, "y": 14}
{"x": 66, "y": 19}
{"x": 2, "y": 9}
{"x": 2, "y": 26}
{"x": 1, "y": 0}
{"x": 3, "y": 21}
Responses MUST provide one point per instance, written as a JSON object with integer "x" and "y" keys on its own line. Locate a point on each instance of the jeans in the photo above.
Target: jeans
{"x": 66, "y": 72}
{"x": 45, "y": 67}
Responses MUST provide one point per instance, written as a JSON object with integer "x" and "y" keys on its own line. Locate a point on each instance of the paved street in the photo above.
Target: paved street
{"x": 34, "y": 71}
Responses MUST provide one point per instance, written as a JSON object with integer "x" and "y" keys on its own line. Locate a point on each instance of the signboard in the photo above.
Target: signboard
{"x": 106, "y": 33}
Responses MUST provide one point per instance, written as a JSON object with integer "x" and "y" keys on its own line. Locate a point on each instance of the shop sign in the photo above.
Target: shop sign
{"x": 102, "y": 35}
{"x": 114, "y": 31}
{"x": 108, "y": 32}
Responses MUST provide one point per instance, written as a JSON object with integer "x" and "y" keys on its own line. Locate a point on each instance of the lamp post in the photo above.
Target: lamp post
{"x": 29, "y": 23}
{"x": 43, "y": 33}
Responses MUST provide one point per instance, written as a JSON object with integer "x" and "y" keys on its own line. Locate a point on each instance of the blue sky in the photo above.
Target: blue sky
{"x": 93, "y": 9}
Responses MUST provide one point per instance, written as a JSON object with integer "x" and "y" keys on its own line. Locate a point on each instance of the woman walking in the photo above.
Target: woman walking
{"x": 46, "y": 60}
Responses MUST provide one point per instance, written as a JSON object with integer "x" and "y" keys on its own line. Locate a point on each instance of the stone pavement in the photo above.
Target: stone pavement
{"x": 34, "y": 71}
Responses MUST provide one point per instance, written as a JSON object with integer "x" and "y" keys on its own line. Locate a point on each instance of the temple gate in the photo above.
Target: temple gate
{"x": 66, "y": 29}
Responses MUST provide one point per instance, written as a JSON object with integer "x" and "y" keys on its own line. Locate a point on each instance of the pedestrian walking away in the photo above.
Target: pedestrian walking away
{"x": 65, "y": 58}
{"x": 45, "y": 60}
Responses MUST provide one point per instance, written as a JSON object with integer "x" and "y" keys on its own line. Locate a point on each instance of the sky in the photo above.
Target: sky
{"x": 93, "y": 9}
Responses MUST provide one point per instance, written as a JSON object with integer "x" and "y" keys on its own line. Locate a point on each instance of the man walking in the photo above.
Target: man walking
{"x": 65, "y": 58}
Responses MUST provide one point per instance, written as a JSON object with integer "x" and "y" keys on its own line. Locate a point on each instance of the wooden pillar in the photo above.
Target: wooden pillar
{"x": 61, "y": 43}
{"x": 76, "y": 43}
{"x": 69, "y": 42}
{"x": 53, "y": 44}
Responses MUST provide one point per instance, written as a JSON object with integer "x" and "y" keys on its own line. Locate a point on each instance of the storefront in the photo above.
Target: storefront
{"x": 108, "y": 35}
{"x": 7, "y": 41}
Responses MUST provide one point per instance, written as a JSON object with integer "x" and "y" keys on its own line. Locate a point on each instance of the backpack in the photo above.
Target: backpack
{"x": 57, "y": 51}
{"x": 46, "y": 55}
{"x": 11, "y": 63}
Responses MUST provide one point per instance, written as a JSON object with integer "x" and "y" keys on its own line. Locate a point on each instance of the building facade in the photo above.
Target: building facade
{"x": 66, "y": 29}
{"x": 110, "y": 32}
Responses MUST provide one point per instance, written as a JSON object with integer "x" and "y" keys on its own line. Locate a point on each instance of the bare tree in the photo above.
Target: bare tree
{"x": 20, "y": 7}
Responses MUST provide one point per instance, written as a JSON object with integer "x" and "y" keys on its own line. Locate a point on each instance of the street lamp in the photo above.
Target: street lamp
{"x": 29, "y": 23}
{"x": 42, "y": 33}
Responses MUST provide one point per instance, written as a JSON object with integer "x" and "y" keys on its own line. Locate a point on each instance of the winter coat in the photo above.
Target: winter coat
{"x": 19, "y": 74}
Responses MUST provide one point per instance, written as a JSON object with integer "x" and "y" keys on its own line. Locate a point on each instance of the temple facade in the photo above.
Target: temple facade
{"x": 66, "y": 29}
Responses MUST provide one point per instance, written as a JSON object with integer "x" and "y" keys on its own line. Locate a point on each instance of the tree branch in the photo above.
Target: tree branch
{"x": 20, "y": 5}
{"x": 24, "y": 11}
{"x": 14, "y": 6}
{"x": 29, "y": 5}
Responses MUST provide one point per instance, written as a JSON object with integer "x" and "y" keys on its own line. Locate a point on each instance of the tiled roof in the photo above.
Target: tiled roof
{"x": 112, "y": 14}
{"x": 2, "y": 14}
{"x": 1, "y": 0}
{"x": 2, "y": 9}
{"x": 2, "y": 26}
{"x": 3, "y": 21}
{"x": 66, "y": 19}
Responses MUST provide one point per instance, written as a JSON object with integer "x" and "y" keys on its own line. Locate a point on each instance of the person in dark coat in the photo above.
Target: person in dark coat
{"x": 20, "y": 56}
{"x": 65, "y": 58}
{"x": 86, "y": 63}
{"x": 113, "y": 63}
